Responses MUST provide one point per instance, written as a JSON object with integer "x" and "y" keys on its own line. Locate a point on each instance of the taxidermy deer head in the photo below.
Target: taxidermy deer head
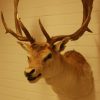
{"x": 45, "y": 59}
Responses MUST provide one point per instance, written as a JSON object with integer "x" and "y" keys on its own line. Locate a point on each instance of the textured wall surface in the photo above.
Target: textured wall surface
{"x": 58, "y": 17}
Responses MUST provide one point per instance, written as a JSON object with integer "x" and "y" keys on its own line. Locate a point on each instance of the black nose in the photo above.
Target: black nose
{"x": 28, "y": 74}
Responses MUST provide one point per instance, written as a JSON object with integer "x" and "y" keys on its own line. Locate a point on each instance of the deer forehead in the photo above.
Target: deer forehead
{"x": 39, "y": 50}
{"x": 37, "y": 55}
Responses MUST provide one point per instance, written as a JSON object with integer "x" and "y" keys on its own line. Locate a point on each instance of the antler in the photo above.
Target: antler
{"x": 45, "y": 32}
{"x": 87, "y": 9}
{"x": 19, "y": 26}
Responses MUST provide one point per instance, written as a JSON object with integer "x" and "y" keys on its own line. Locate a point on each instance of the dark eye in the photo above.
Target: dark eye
{"x": 48, "y": 57}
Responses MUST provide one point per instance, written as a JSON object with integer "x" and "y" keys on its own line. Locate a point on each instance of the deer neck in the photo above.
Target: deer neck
{"x": 64, "y": 81}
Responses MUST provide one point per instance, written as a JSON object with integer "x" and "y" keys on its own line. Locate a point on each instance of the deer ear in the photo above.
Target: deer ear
{"x": 25, "y": 46}
{"x": 60, "y": 46}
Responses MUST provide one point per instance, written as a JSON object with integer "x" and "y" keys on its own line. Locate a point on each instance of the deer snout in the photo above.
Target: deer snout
{"x": 32, "y": 75}
{"x": 28, "y": 74}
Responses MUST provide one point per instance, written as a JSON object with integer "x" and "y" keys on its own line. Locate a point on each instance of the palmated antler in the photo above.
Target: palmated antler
{"x": 87, "y": 9}
{"x": 19, "y": 26}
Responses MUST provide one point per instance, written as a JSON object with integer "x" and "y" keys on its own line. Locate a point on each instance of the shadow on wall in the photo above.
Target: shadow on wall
{"x": 98, "y": 35}
{"x": 36, "y": 31}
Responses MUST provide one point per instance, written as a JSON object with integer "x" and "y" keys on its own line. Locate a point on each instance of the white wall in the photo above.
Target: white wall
{"x": 58, "y": 17}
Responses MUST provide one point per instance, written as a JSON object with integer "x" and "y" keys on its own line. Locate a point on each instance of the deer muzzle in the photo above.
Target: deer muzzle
{"x": 32, "y": 75}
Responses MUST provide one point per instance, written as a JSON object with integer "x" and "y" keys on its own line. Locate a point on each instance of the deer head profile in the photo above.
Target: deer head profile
{"x": 45, "y": 59}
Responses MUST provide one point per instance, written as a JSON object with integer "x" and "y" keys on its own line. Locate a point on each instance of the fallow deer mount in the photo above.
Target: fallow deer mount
{"x": 69, "y": 74}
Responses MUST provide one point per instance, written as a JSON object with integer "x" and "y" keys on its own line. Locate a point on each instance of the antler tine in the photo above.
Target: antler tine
{"x": 8, "y": 30}
{"x": 45, "y": 32}
{"x": 19, "y": 25}
{"x": 87, "y": 9}
{"x": 18, "y": 29}
{"x": 85, "y": 12}
{"x": 26, "y": 32}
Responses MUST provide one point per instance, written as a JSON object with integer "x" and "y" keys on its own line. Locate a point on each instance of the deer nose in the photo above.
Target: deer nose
{"x": 28, "y": 74}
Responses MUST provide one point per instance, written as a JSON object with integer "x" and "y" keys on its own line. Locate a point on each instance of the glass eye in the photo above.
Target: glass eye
{"x": 48, "y": 57}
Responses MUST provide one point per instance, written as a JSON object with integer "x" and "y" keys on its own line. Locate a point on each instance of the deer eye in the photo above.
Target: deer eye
{"x": 48, "y": 57}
